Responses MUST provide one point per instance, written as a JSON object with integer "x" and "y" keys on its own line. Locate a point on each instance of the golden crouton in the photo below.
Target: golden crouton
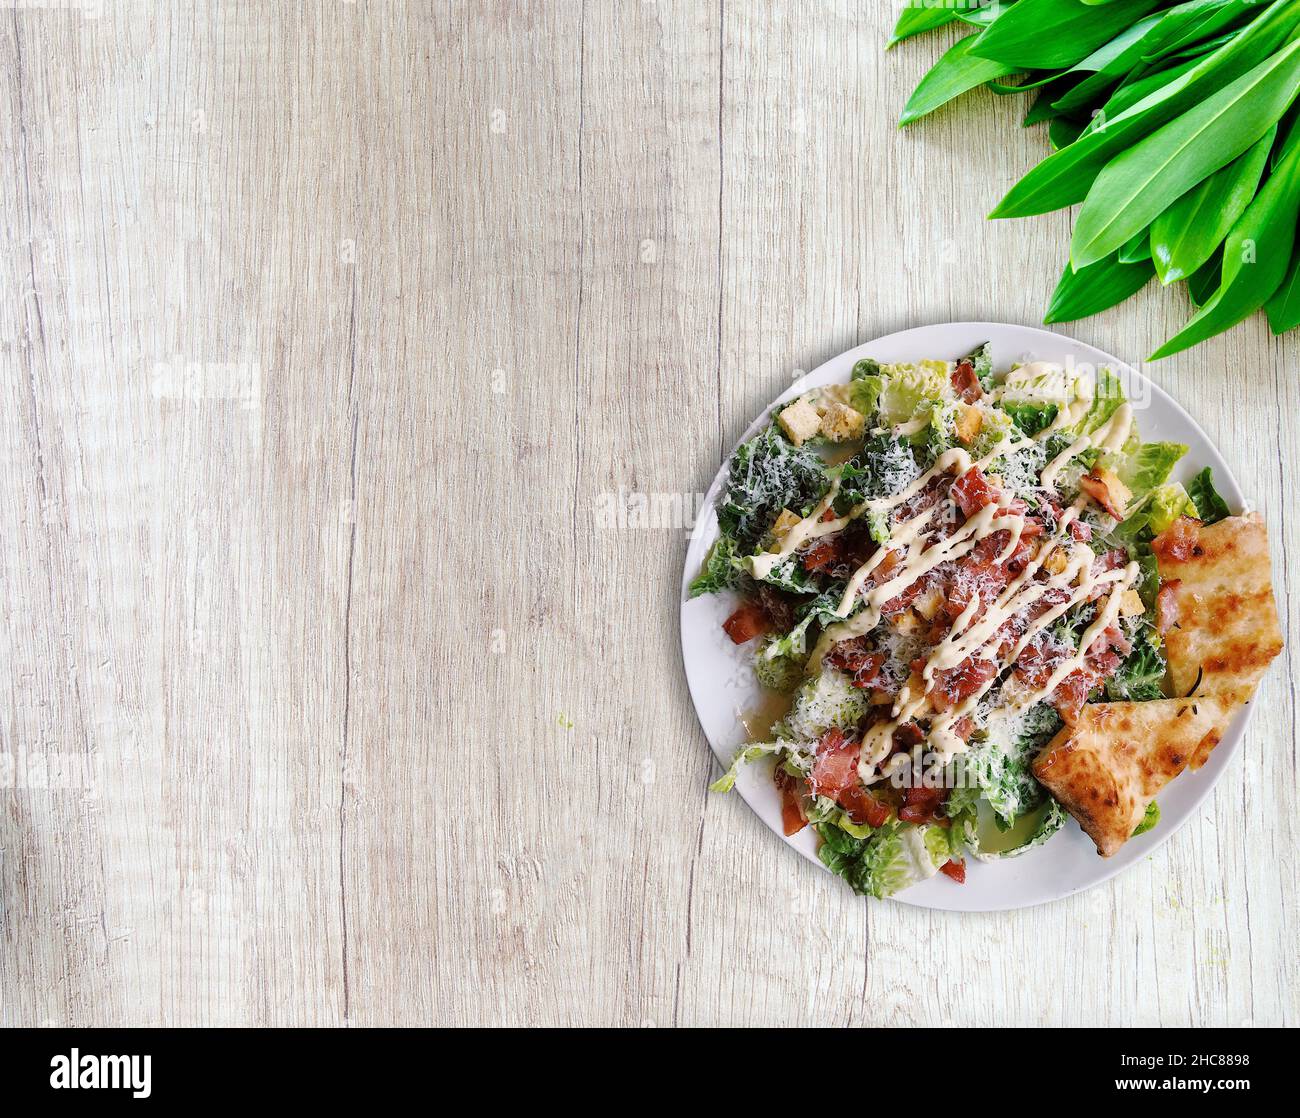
{"x": 800, "y": 421}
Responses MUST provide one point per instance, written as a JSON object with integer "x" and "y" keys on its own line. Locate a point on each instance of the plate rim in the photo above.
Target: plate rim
{"x": 705, "y": 531}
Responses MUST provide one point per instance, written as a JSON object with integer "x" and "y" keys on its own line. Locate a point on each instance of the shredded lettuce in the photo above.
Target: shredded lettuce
{"x": 744, "y": 756}
{"x": 768, "y": 474}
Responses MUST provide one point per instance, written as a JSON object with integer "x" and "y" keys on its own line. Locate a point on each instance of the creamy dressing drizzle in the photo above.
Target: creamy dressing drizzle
{"x": 1072, "y": 403}
{"x": 969, "y": 637}
{"x": 810, "y": 527}
{"x": 1110, "y": 436}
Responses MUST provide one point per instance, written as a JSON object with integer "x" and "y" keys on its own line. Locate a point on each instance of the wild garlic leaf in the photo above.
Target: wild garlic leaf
{"x": 1138, "y": 185}
{"x": 1185, "y": 236}
{"x": 954, "y": 74}
{"x": 1046, "y": 34}
{"x": 1064, "y": 178}
{"x": 917, "y": 18}
{"x": 1093, "y": 289}
{"x": 1256, "y": 255}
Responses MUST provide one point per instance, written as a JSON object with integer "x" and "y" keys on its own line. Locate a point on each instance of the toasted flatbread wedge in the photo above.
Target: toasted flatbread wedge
{"x": 1107, "y": 767}
{"x": 1227, "y": 631}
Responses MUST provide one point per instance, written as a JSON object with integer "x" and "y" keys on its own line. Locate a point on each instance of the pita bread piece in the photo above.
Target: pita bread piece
{"x": 1227, "y": 631}
{"x": 1107, "y": 767}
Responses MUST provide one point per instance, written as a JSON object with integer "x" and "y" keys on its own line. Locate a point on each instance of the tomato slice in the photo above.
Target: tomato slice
{"x": 954, "y": 869}
{"x": 824, "y": 553}
{"x": 746, "y": 623}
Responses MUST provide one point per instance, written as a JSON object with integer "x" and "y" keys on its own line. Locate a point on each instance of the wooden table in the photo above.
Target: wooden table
{"x": 338, "y": 690}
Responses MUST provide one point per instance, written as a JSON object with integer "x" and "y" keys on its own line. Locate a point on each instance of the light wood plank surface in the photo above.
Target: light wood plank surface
{"x": 337, "y": 691}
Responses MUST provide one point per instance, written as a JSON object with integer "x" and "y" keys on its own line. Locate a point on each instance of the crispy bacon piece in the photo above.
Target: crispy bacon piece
{"x": 1072, "y": 693}
{"x": 921, "y": 805}
{"x": 863, "y": 807}
{"x": 1111, "y": 637}
{"x": 920, "y": 502}
{"x": 823, "y": 554}
{"x": 1080, "y": 531}
{"x": 836, "y": 764}
{"x": 958, "y": 684}
{"x": 903, "y": 600}
{"x": 793, "y": 818}
{"x": 1096, "y": 485}
{"x": 746, "y": 623}
{"x": 850, "y": 655}
{"x": 966, "y": 383}
{"x": 972, "y": 491}
{"x": 1110, "y": 560}
{"x": 908, "y": 735}
{"x": 1179, "y": 540}
{"x": 1038, "y": 661}
{"x": 954, "y": 869}
{"x": 856, "y": 658}
{"x": 1167, "y": 606}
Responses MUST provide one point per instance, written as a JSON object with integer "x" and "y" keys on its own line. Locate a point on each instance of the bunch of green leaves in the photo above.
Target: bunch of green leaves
{"x": 1175, "y": 124}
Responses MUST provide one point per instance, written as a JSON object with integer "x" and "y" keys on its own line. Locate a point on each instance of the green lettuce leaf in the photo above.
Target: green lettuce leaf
{"x": 1149, "y": 466}
{"x": 911, "y": 391}
{"x": 744, "y": 756}
{"x": 1141, "y": 677}
{"x": 1032, "y": 830}
{"x": 891, "y": 858}
{"x": 1210, "y": 507}
{"x": 1149, "y": 820}
{"x": 720, "y": 571}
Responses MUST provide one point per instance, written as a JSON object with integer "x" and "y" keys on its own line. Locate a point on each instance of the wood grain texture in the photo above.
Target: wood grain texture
{"x": 364, "y": 362}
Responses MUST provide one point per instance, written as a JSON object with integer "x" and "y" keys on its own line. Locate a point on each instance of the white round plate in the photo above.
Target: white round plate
{"x": 721, "y": 676}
